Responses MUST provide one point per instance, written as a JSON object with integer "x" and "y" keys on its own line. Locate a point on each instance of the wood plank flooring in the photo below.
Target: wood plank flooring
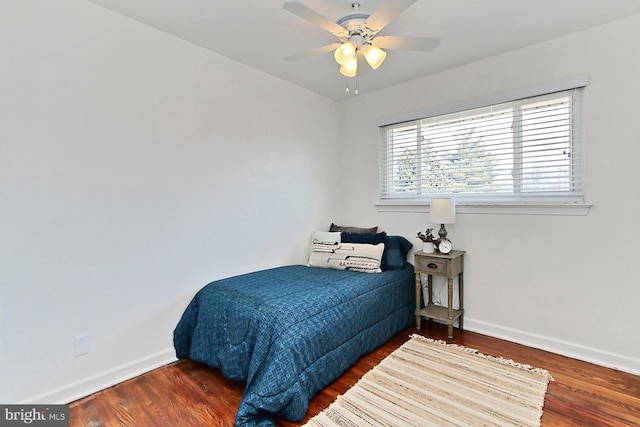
{"x": 186, "y": 393}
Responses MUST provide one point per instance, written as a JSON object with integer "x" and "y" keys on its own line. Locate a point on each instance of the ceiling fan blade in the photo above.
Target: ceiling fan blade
{"x": 425, "y": 44}
{"x": 318, "y": 51}
{"x": 312, "y": 16}
{"x": 386, "y": 13}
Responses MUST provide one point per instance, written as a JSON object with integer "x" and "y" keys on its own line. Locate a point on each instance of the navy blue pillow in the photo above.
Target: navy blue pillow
{"x": 368, "y": 238}
{"x": 395, "y": 253}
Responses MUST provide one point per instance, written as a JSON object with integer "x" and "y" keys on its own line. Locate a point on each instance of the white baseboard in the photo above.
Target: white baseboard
{"x": 575, "y": 351}
{"x": 103, "y": 380}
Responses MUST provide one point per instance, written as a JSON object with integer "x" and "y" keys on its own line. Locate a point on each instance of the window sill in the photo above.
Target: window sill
{"x": 572, "y": 209}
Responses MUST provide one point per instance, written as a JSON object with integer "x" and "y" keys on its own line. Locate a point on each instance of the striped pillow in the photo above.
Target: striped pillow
{"x": 347, "y": 256}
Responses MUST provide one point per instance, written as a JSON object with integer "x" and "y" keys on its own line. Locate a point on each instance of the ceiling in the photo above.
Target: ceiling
{"x": 260, "y": 33}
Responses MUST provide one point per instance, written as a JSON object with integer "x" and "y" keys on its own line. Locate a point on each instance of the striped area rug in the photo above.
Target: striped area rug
{"x": 432, "y": 383}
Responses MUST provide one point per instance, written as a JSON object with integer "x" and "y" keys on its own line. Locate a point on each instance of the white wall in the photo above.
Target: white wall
{"x": 566, "y": 283}
{"x": 121, "y": 193}
{"x": 134, "y": 169}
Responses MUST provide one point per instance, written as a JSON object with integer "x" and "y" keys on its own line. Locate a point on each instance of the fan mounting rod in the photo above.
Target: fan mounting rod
{"x": 355, "y": 22}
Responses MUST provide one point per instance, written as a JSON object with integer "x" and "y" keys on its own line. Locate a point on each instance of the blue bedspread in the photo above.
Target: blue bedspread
{"x": 289, "y": 331}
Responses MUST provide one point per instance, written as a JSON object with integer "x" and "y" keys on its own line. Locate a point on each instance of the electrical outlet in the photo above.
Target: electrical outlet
{"x": 81, "y": 345}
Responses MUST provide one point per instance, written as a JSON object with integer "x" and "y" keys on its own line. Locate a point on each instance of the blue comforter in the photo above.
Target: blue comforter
{"x": 289, "y": 331}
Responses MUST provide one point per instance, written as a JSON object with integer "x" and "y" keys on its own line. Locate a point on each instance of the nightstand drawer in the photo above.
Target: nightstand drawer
{"x": 431, "y": 266}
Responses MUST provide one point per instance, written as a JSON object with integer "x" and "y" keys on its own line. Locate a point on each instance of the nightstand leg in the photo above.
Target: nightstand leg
{"x": 450, "y": 308}
{"x": 418, "y": 300}
{"x": 461, "y": 298}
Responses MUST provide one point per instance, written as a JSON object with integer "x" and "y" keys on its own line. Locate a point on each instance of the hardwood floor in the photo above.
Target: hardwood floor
{"x": 186, "y": 393}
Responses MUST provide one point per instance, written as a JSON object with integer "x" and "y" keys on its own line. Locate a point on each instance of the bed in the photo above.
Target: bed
{"x": 289, "y": 331}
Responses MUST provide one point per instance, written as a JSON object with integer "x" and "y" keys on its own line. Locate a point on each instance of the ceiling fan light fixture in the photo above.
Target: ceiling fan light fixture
{"x": 345, "y": 53}
{"x": 350, "y": 69}
{"x": 358, "y": 34}
{"x": 374, "y": 55}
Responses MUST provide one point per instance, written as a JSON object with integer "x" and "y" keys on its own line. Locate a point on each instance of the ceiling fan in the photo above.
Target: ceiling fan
{"x": 358, "y": 34}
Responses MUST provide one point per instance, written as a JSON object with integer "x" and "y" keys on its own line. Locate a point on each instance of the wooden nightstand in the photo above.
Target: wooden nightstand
{"x": 436, "y": 264}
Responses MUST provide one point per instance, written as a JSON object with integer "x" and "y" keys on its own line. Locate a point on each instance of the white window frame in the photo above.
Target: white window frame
{"x": 571, "y": 204}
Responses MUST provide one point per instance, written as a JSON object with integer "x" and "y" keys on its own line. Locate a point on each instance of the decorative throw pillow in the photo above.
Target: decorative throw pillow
{"x": 347, "y": 256}
{"x": 395, "y": 253}
{"x": 341, "y": 228}
{"x": 395, "y": 250}
{"x": 325, "y": 237}
{"x": 369, "y": 238}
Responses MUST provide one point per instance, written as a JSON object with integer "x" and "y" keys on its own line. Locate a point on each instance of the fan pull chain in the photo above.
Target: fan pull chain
{"x": 347, "y": 88}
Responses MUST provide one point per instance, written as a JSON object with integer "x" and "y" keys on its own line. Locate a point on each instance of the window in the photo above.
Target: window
{"x": 527, "y": 150}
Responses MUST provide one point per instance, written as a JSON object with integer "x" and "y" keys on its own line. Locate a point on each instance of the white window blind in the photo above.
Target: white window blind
{"x": 522, "y": 151}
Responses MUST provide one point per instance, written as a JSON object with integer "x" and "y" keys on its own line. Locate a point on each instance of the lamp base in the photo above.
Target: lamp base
{"x": 442, "y": 232}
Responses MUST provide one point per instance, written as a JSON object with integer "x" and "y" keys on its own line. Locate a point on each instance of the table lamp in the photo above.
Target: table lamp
{"x": 442, "y": 211}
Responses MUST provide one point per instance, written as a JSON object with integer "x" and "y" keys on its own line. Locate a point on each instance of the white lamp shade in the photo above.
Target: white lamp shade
{"x": 442, "y": 211}
{"x": 345, "y": 53}
{"x": 350, "y": 69}
{"x": 374, "y": 55}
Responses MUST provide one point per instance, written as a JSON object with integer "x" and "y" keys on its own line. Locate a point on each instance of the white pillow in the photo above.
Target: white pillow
{"x": 347, "y": 256}
{"x": 324, "y": 236}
